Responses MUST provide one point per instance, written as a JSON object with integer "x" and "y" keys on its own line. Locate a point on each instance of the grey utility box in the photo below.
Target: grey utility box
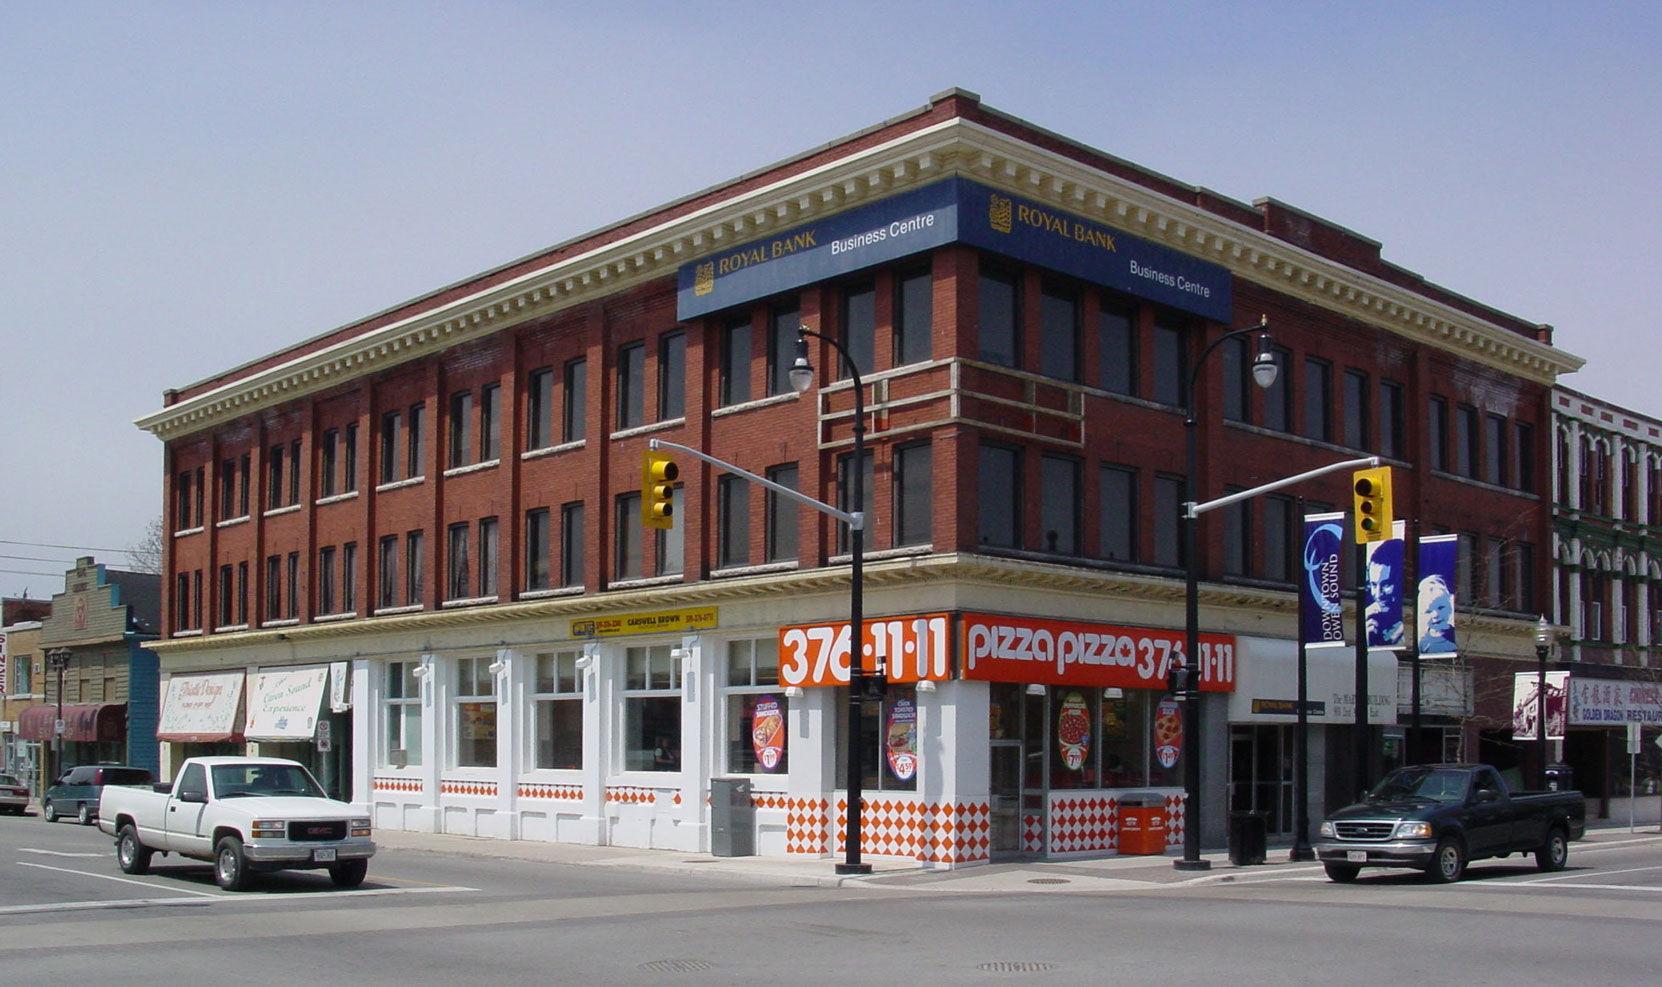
{"x": 732, "y": 818}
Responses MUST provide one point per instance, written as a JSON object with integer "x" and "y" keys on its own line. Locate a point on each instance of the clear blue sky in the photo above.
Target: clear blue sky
{"x": 187, "y": 186}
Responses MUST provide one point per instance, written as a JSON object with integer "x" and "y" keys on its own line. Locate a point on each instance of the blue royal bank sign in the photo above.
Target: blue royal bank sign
{"x": 955, "y": 210}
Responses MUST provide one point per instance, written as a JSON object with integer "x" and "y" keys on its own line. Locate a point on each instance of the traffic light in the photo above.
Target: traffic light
{"x": 1177, "y": 680}
{"x": 1373, "y": 504}
{"x": 658, "y": 473}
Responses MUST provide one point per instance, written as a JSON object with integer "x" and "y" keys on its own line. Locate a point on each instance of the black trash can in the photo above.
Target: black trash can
{"x": 1560, "y": 778}
{"x": 1248, "y": 837}
{"x": 732, "y": 818}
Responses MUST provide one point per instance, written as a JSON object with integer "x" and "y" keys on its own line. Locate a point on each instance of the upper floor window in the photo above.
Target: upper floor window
{"x": 735, "y": 360}
{"x": 1059, "y": 332}
{"x": 1059, "y": 501}
{"x": 732, "y": 521}
{"x": 1278, "y": 397}
{"x": 1117, "y": 346}
{"x": 1318, "y": 398}
{"x": 571, "y": 544}
{"x": 1465, "y": 441}
{"x": 999, "y": 318}
{"x": 1117, "y": 505}
{"x": 782, "y": 327}
{"x": 1390, "y": 420}
{"x": 626, "y": 564}
{"x": 490, "y": 422}
{"x": 1171, "y": 362}
{"x": 1494, "y": 450}
{"x": 998, "y": 475}
{"x": 631, "y": 384}
{"x": 1356, "y": 410}
{"x": 1523, "y": 457}
{"x": 783, "y": 515}
{"x": 536, "y": 548}
{"x": 859, "y": 325}
{"x": 914, "y": 317}
{"x": 914, "y": 507}
{"x": 391, "y": 426}
{"x": 1436, "y": 429}
{"x": 1233, "y": 353}
{"x": 539, "y": 408}
{"x": 461, "y": 425}
{"x": 1167, "y": 549}
{"x": 328, "y": 464}
{"x": 672, "y": 376}
{"x": 575, "y": 411}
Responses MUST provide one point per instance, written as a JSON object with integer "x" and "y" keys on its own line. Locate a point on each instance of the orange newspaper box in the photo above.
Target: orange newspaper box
{"x": 1143, "y": 825}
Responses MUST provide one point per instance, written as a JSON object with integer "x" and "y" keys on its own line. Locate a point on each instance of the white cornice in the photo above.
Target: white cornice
{"x": 953, "y": 147}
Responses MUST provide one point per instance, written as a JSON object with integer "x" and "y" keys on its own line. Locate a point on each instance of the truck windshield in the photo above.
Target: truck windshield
{"x": 1437, "y": 784}
{"x": 234, "y": 780}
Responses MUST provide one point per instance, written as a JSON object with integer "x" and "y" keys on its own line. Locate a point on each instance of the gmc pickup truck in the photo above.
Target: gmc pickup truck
{"x": 1440, "y": 817}
{"x": 246, "y": 815}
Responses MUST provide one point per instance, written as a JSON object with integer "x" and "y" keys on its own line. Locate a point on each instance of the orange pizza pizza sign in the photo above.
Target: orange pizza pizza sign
{"x": 908, "y": 649}
{"x": 1055, "y": 652}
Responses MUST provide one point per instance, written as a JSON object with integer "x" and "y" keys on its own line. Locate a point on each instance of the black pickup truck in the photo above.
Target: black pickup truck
{"x": 1439, "y": 817}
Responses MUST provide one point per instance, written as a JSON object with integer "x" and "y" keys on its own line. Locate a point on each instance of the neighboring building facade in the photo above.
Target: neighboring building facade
{"x": 96, "y": 673}
{"x": 20, "y": 675}
{"x": 1607, "y": 551}
{"x": 422, "y": 532}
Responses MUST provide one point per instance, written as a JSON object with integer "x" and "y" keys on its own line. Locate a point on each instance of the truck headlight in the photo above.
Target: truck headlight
{"x": 360, "y": 827}
{"x": 1325, "y": 829}
{"x": 1413, "y": 830}
{"x": 268, "y": 828}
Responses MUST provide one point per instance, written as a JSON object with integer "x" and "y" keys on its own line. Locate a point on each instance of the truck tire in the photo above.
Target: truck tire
{"x": 349, "y": 874}
{"x": 132, "y": 855}
{"x": 85, "y": 816}
{"x": 1341, "y": 873}
{"x": 1555, "y": 852}
{"x": 230, "y": 866}
{"x": 48, "y": 811}
{"x": 1448, "y": 864}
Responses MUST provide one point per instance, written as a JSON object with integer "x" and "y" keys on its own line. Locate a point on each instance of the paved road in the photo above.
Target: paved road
{"x": 452, "y": 910}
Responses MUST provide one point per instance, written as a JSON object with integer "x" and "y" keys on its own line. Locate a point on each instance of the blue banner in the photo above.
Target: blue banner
{"x": 1382, "y": 587}
{"x": 951, "y": 211}
{"x": 1435, "y": 607}
{"x": 1321, "y": 614}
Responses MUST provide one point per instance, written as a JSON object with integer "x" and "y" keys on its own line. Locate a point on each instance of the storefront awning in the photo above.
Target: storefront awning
{"x": 84, "y": 723}
{"x": 202, "y": 708}
{"x": 283, "y": 703}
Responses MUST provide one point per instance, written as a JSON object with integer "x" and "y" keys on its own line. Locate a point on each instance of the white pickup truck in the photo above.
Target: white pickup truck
{"x": 246, "y": 815}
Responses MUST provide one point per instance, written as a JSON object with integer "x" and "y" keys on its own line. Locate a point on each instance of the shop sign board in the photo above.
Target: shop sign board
{"x": 283, "y": 704}
{"x": 910, "y": 649}
{"x": 1603, "y": 702}
{"x": 202, "y": 708}
{"x": 1525, "y": 705}
{"x": 661, "y": 622}
{"x": 1057, "y": 652}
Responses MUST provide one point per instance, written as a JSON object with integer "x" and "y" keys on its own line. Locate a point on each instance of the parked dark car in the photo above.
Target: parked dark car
{"x": 1439, "y": 817}
{"x": 77, "y": 791}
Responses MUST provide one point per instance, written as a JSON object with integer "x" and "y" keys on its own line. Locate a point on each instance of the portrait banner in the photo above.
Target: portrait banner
{"x": 1382, "y": 584}
{"x": 1434, "y": 610}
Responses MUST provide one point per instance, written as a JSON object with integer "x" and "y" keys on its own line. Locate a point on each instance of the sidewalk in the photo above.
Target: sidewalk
{"x": 1122, "y": 872}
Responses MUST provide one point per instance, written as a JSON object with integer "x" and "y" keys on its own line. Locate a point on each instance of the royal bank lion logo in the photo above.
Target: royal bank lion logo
{"x": 704, "y": 278}
{"x": 1000, "y": 213}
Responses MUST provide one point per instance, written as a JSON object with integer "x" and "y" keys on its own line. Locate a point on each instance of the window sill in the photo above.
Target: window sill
{"x": 337, "y": 498}
{"x": 488, "y": 464}
{"x": 230, "y": 628}
{"x": 391, "y": 611}
{"x": 641, "y": 583}
{"x": 285, "y": 622}
{"x": 472, "y": 601}
{"x": 231, "y": 522}
{"x": 331, "y": 618}
{"x": 193, "y": 632}
{"x": 548, "y": 594}
{"x": 734, "y": 572}
{"x": 275, "y": 511}
{"x": 553, "y": 450}
{"x": 189, "y": 531}
{"x": 634, "y": 430}
{"x": 399, "y": 484}
{"x": 734, "y": 409}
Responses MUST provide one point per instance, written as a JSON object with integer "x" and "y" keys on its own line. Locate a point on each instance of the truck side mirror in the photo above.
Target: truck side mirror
{"x": 192, "y": 795}
{"x": 1487, "y": 795}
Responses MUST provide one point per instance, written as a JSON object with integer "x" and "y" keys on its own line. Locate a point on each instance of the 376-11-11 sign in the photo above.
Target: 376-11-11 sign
{"x": 909, "y": 649}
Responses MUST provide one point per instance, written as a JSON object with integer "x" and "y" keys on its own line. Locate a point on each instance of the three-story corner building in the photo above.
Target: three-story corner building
{"x": 410, "y": 550}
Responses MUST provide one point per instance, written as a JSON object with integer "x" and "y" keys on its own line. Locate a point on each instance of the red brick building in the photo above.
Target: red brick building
{"x": 427, "y": 524}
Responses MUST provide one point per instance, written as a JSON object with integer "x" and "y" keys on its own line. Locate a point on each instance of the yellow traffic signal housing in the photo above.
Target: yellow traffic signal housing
{"x": 1373, "y": 504}
{"x": 658, "y": 474}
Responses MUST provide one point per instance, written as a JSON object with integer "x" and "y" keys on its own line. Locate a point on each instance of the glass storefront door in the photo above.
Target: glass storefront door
{"x": 1261, "y": 773}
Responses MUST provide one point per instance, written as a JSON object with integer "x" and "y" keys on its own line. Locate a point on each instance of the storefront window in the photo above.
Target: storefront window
{"x": 558, "y": 705}
{"x": 403, "y": 714}
{"x": 652, "y": 710}
{"x": 475, "y": 713}
{"x": 757, "y": 714}
{"x": 1128, "y": 751}
{"x": 885, "y": 740}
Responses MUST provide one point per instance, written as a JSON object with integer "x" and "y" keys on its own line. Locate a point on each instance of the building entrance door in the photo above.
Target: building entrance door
{"x": 1261, "y": 774}
{"x": 1006, "y": 797}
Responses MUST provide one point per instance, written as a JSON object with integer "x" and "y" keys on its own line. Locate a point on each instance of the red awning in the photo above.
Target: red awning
{"x": 83, "y": 723}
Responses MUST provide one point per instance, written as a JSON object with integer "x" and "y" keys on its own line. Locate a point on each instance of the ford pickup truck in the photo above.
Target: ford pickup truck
{"x": 1440, "y": 817}
{"x": 245, "y": 814}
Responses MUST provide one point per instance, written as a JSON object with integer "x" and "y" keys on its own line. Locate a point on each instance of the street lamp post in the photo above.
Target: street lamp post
{"x": 802, "y": 377}
{"x": 57, "y": 659}
{"x": 1543, "y": 644}
{"x": 1263, "y": 374}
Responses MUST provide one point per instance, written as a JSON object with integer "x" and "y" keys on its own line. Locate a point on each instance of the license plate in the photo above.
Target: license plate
{"x": 324, "y": 856}
{"x": 1353, "y": 856}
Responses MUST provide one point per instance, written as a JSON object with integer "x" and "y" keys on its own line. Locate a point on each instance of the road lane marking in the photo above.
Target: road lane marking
{"x": 58, "y": 853}
{"x": 112, "y": 877}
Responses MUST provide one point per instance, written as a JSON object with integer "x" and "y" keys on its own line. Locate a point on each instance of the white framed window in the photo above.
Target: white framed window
{"x": 402, "y": 714}
{"x": 475, "y": 704}
{"x": 757, "y": 714}
{"x": 557, "y": 711}
{"x": 651, "y": 709}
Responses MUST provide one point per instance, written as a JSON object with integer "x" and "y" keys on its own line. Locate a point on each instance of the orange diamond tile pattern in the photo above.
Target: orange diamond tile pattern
{"x": 932, "y": 832}
{"x": 472, "y": 789}
{"x": 384, "y": 784}
{"x": 564, "y": 793}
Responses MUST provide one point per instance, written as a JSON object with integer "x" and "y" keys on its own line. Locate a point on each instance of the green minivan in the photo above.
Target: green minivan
{"x": 77, "y": 791}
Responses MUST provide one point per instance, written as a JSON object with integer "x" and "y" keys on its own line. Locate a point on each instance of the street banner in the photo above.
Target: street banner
{"x": 902, "y": 745}
{"x": 1525, "y": 708}
{"x": 1321, "y": 615}
{"x": 1435, "y": 615}
{"x": 1382, "y": 583}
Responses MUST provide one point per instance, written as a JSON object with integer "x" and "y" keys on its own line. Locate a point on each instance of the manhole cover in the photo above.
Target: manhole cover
{"x": 677, "y": 966}
{"x": 1016, "y": 967}
{"x": 1048, "y": 880}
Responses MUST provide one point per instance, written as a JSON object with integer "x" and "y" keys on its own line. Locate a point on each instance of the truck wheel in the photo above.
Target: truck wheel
{"x": 48, "y": 811}
{"x": 230, "y": 866}
{"x": 1448, "y": 864}
{"x": 133, "y": 856}
{"x": 85, "y": 816}
{"x": 1555, "y": 852}
{"x": 349, "y": 874}
{"x": 1341, "y": 873}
